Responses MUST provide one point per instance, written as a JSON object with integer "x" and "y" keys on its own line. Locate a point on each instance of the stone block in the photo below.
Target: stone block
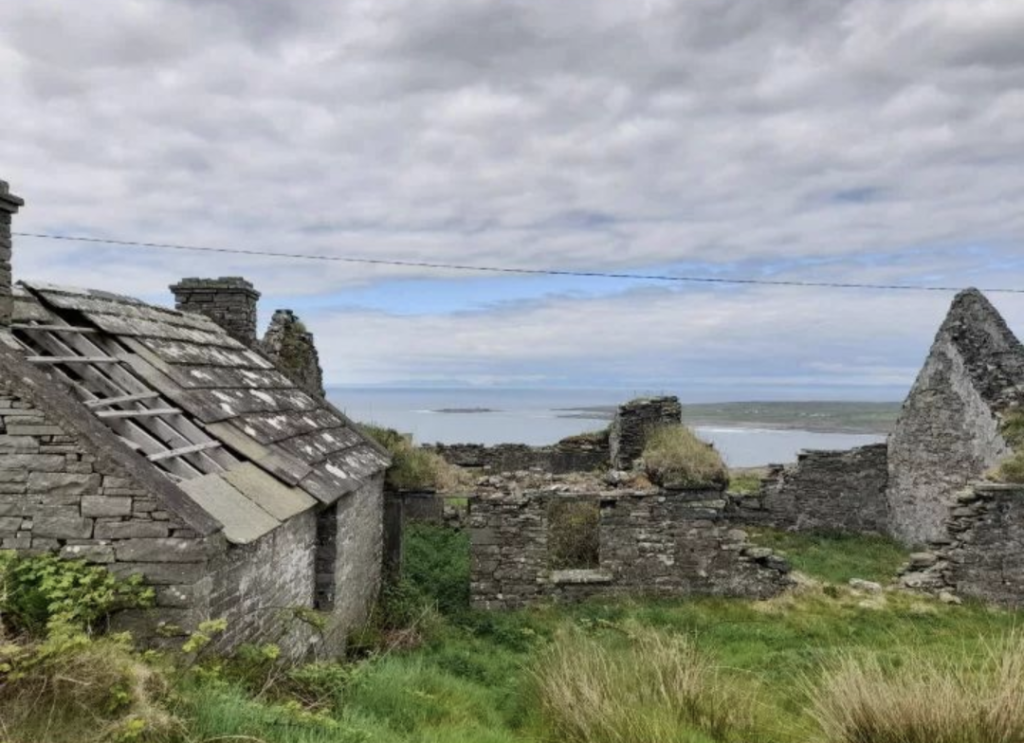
{"x": 101, "y": 505}
{"x": 61, "y": 526}
{"x": 161, "y": 573}
{"x": 165, "y": 549}
{"x": 97, "y": 553}
{"x": 62, "y": 483}
{"x": 29, "y": 429}
{"x": 10, "y": 525}
{"x": 131, "y": 529}
{"x": 15, "y": 444}
{"x": 32, "y": 462}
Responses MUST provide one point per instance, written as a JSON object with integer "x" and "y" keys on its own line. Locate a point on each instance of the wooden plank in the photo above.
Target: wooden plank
{"x": 92, "y": 380}
{"x": 72, "y": 360}
{"x": 105, "y": 402}
{"x": 183, "y": 450}
{"x": 143, "y": 413}
{"x": 56, "y": 328}
{"x": 150, "y": 429}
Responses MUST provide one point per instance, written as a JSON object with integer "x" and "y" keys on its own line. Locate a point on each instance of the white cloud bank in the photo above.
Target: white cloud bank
{"x": 590, "y": 134}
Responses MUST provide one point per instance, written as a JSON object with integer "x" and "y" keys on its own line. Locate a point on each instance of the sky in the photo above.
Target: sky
{"x": 815, "y": 140}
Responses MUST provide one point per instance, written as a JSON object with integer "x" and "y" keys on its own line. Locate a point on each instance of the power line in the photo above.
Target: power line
{"x": 507, "y": 269}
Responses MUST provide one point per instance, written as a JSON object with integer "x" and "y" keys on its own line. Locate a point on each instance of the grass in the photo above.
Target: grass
{"x": 1011, "y": 470}
{"x": 675, "y": 458}
{"x": 834, "y": 557}
{"x": 573, "y": 538}
{"x": 412, "y": 467}
{"x": 954, "y": 700}
{"x": 658, "y": 687}
{"x": 745, "y": 481}
{"x": 622, "y": 671}
{"x": 700, "y": 670}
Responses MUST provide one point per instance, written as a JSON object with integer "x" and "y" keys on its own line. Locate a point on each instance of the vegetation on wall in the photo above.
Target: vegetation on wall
{"x": 674, "y": 457}
{"x": 573, "y": 533}
{"x": 1012, "y": 428}
{"x": 412, "y": 467}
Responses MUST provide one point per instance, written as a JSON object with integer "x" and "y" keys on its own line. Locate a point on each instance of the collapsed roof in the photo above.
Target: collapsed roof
{"x": 235, "y": 435}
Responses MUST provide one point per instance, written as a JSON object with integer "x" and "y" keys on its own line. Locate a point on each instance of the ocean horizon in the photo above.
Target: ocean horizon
{"x": 539, "y": 417}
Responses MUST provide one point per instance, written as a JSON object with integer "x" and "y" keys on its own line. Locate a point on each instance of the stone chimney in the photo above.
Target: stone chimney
{"x": 229, "y": 301}
{"x": 9, "y": 205}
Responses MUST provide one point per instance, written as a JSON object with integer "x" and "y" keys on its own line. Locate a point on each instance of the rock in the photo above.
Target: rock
{"x": 102, "y": 505}
{"x": 948, "y": 598}
{"x": 61, "y": 526}
{"x": 131, "y": 529}
{"x": 62, "y": 483}
{"x": 920, "y": 560}
{"x": 162, "y": 550}
{"x": 868, "y": 586}
{"x": 98, "y": 553}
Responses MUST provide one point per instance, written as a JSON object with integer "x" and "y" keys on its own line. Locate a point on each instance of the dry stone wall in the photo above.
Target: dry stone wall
{"x": 633, "y": 422}
{"x": 947, "y": 434}
{"x": 982, "y": 554}
{"x": 290, "y": 346}
{"x": 822, "y": 491}
{"x": 651, "y": 543}
{"x": 578, "y": 454}
{"x": 9, "y": 205}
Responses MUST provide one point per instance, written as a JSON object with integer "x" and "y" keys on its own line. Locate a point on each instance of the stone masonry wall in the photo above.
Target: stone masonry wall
{"x": 822, "y": 490}
{"x": 983, "y": 555}
{"x": 229, "y": 301}
{"x": 360, "y": 560}
{"x": 564, "y": 457}
{"x": 56, "y": 496}
{"x": 290, "y": 346}
{"x": 651, "y": 543}
{"x": 256, "y": 587}
{"x": 9, "y": 205}
{"x": 633, "y": 421}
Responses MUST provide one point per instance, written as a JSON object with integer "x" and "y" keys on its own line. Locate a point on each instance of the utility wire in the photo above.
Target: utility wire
{"x": 509, "y": 270}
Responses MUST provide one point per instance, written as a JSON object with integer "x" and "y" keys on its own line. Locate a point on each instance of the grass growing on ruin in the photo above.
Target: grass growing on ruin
{"x": 1012, "y": 428}
{"x": 834, "y": 557}
{"x": 412, "y": 467}
{"x": 675, "y": 457}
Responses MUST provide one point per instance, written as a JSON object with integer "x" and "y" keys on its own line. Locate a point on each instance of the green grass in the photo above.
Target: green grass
{"x": 475, "y": 677}
{"x": 836, "y": 557}
{"x": 675, "y": 457}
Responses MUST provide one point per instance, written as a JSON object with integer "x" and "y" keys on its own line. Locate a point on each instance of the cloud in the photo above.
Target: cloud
{"x": 580, "y": 134}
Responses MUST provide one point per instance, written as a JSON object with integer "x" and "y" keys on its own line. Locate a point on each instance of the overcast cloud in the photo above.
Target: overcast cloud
{"x": 817, "y": 139}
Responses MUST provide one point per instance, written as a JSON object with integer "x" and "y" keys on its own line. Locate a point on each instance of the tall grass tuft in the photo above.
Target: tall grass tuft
{"x": 659, "y": 688}
{"x": 961, "y": 699}
{"x": 676, "y": 458}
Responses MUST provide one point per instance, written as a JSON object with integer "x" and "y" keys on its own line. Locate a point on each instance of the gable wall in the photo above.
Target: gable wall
{"x": 946, "y": 436}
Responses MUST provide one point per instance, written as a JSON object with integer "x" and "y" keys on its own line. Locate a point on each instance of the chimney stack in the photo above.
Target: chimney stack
{"x": 229, "y": 301}
{"x": 9, "y": 205}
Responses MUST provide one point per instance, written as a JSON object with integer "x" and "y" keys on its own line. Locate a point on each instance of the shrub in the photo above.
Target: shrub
{"x": 412, "y": 467}
{"x": 675, "y": 458}
{"x": 36, "y": 591}
{"x": 573, "y": 537}
{"x": 923, "y": 700}
{"x": 73, "y": 688}
{"x": 659, "y": 688}
{"x": 1012, "y": 469}
{"x": 1012, "y": 429}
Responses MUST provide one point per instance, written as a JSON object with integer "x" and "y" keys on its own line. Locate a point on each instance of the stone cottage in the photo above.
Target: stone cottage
{"x": 157, "y": 442}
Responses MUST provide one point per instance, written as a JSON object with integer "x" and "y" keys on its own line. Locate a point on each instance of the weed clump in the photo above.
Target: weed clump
{"x": 412, "y": 467}
{"x": 925, "y": 700}
{"x": 659, "y": 687}
{"x": 573, "y": 537}
{"x": 1011, "y": 470}
{"x": 676, "y": 459}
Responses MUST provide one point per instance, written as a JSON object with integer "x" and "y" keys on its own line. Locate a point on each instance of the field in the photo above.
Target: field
{"x": 639, "y": 671}
{"x": 449, "y": 674}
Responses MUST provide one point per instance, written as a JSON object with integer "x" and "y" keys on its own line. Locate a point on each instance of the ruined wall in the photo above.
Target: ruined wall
{"x": 577, "y": 454}
{"x": 822, "y": 490}
{"x": 290, "y": 346}
{"x": 633, "y": 421}
{"x": 229, "y": 301}
{"x": 651, "y": 543}
{"x": 947, "y": 434}
{"x": 983, "y": 555}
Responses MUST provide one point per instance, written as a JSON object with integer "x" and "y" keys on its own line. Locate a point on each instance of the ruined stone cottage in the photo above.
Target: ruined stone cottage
{"x": 158, "y": 442}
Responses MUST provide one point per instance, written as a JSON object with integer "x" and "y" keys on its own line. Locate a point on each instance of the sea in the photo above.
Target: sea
{"x": 543, "y": 416}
